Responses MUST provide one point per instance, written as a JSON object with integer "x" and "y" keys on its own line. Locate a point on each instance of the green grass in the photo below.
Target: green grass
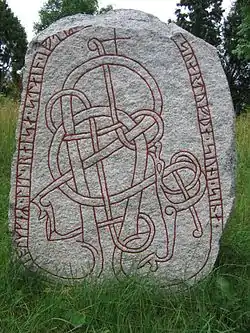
{"x": 218, "y": 304}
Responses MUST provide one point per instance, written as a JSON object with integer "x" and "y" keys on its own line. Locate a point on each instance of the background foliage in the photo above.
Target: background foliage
{"x": 243, "y": 46}
{"x": 204, "y": 19}
{"x": 13, "y": 45}
{"x": 56, "y": 9}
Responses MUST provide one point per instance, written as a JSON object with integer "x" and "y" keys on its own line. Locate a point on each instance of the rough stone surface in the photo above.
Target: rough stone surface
{"x": 125, "y": 151}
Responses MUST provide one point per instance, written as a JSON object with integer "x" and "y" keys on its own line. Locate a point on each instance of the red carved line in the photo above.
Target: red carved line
{"x": 106, "y": 194}
{"x": 52, "y": 41}
{"x": 24, "y": 111}
{"x": 208, "y": 113}
{"x": 180, "y": 46}
{"x": 104, "y": 190}
{"x": 122, "y": 65}
{"x": 120, "y": 146}
{"x": 19, "y": 153}
{"x": 115, "y": 39}
{"x": 66, "y": 130}
{"x": 112, "y": 101}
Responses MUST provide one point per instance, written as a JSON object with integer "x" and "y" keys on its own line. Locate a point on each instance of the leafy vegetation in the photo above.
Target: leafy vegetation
{"x": 218, "y": 304}
{"x": 243, "y": 47}
{"x": 237, "y": 70}
{"x": 204, "y": 19}
{"x": 53, "y": 10}
{"x": 13, "y": 45}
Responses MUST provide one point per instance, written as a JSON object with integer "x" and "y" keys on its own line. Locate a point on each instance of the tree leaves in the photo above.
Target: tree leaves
{"x": 202, "y": 18}
{"x": 13, "y": 45}
{"x": 243, "y": 46}
{"x": 56, "y": 9}
{"x": 236, "y": 69}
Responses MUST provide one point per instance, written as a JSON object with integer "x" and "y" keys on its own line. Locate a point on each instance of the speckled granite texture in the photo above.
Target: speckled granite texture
{"x": 125, "y": 151}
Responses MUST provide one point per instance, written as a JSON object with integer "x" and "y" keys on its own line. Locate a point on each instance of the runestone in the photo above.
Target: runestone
{"x": 125, "y": 151}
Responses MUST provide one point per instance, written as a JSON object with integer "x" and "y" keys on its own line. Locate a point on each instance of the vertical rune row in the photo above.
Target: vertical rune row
{"x": 26, "y": 140}
{"x": 206, "y": 131}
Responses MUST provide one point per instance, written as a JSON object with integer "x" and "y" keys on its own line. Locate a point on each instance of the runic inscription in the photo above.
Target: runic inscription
{"x": 98, "y": 188}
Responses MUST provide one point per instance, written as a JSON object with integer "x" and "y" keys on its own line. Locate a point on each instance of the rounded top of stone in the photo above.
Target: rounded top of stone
{"x": 135, "y": 19}
{"x": 130, "y": 19}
